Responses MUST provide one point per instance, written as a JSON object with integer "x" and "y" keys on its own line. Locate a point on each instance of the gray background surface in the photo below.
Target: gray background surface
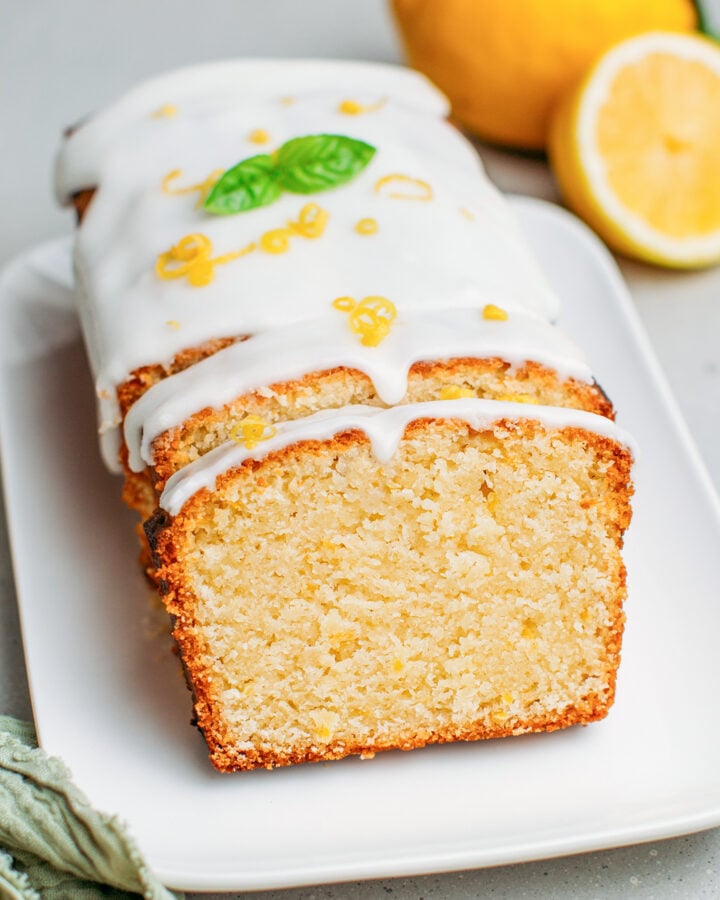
{"x": 58, "y": 61}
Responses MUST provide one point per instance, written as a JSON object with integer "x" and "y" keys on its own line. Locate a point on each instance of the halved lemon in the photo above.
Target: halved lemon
{"x": 636, "y": 149}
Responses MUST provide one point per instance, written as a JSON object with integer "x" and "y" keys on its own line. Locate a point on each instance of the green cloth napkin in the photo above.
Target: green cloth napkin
{"x": 53, "y": 844}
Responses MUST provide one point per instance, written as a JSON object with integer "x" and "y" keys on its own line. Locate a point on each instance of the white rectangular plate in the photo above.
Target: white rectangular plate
{"x": 109, "y": 698}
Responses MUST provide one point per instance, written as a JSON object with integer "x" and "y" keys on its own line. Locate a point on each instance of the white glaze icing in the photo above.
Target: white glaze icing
{"x": 383, "y": 427}
{"x": 282, "y": 354}
{"x": 220, "y": 87}
{"x": 426, "y": 255}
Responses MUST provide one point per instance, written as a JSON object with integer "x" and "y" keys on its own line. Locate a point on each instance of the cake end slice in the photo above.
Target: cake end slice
{"x": 328, "y": 603}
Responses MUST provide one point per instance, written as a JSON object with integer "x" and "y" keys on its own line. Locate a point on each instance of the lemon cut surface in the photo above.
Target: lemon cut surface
{"x": 636, "y": 149}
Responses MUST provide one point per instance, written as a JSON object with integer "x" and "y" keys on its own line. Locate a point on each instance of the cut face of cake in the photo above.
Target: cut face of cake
{"x": 380, "y": 581}
{"x": 384, "y": 497}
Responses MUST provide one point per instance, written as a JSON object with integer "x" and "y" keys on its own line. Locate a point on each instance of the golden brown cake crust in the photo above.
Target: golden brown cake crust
{"x": 225, "y": 759}
{"x": 143, "y": 378}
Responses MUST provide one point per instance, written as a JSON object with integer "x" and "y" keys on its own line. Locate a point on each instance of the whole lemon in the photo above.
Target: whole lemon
{"x": 504, "y": 63}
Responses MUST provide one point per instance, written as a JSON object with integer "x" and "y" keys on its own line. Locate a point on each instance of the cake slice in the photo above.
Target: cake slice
{"x": 373, "y": 580}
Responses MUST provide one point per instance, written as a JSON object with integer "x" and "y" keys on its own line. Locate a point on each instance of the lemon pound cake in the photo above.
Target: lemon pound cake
{"x": 381, "y": 494}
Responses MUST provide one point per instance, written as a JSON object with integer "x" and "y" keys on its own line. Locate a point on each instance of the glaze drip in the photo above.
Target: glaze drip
{"x": 383, "y": 427}
{"x": 443, "y": 246}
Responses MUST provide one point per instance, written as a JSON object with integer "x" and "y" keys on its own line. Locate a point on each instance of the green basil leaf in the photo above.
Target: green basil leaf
{"x": 318, "y": 162}
{"x": 248, "y": 185}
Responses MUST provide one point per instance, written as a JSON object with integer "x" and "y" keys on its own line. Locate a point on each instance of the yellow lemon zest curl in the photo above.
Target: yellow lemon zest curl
{"x": 309, "y": 224}
{"x": 276, "y": 241}
{"x": 166, "y": 111}
{"x": 192, "y": 258}
{"x": 494, "y": 313}
{"x": 344, "y": 304}
{"x": 371, "y": 318}
{"x": 410, "y": 188}
{"x": 259, "y": 136}
{"x": 353, "y": 108}
{"x": 204, "y": 187}
{"x": 251, "y": 431}
{"x": 234, "y": 254}
{"x": 367, "y": 226}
